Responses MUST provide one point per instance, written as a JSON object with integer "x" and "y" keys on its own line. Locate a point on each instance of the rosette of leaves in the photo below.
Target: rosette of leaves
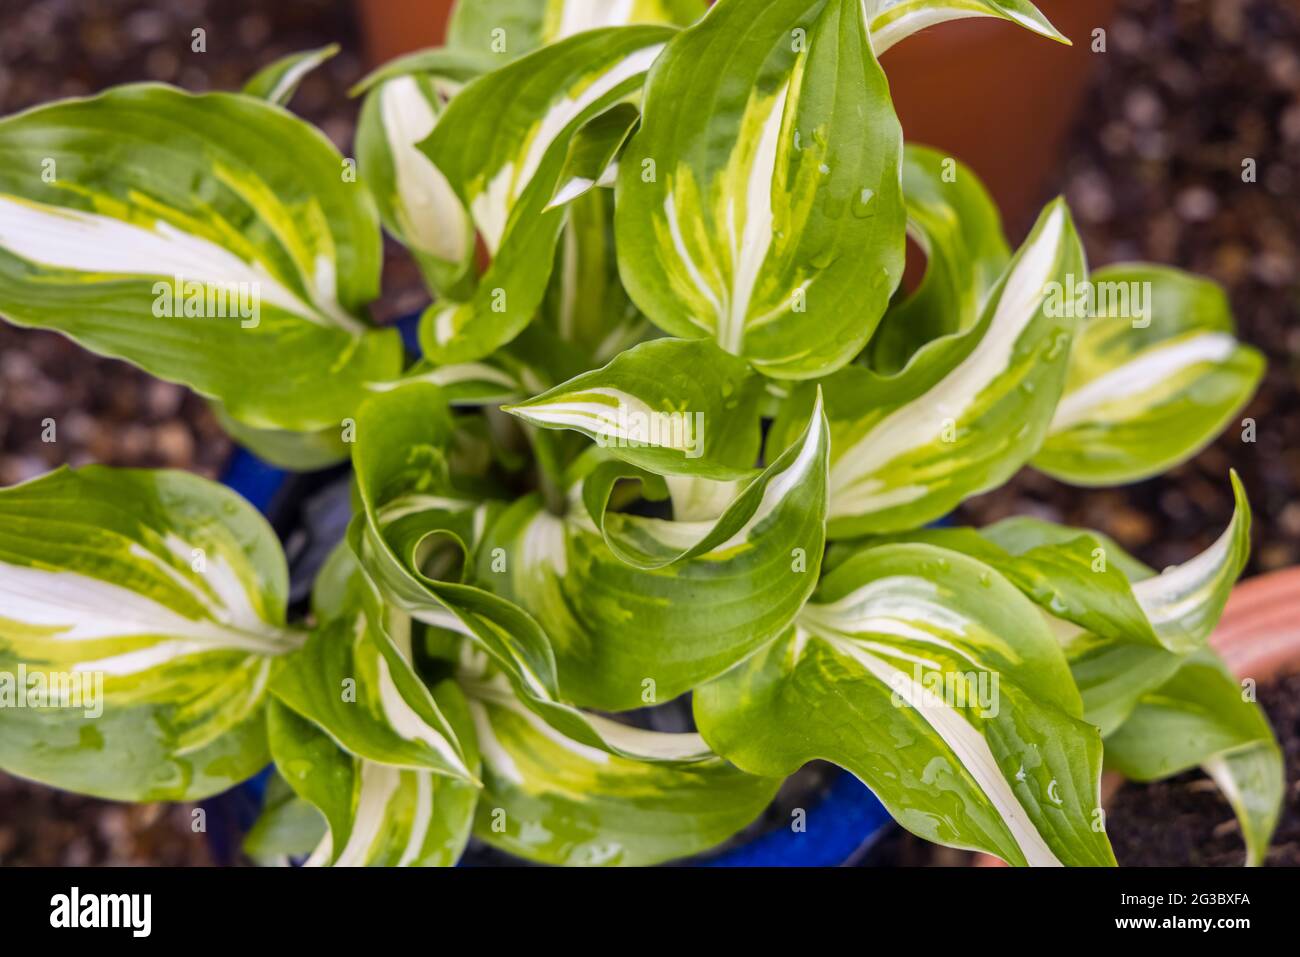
{"x": 675, "y": 430}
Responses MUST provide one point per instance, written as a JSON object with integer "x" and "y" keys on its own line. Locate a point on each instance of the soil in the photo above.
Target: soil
{"x": 1186, "y": 90}
{"x": 1185, "y": 821}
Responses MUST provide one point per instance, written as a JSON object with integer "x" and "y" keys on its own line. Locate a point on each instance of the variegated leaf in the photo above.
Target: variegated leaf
{"x": 295, "y": 451}
{"x": 1200, "y": 716}
{"x": 771, "y": 222}
{"x": 278, "y": 82}
{"x": 593, "y": 152}
{"x": 1066, "y": 572}
{"x": 502, "y": 144}
{"x": 895, "y": 20}
{"x": 672, "y": 406}
{"x": 417, "y": 204}
{"x": 966, "y": 413}
{"x": 1154, "y": 377}
{"x": 955, "y": 222}
{"x": 140, "y": 615}
{"x": 645, "y": 611}
{"x": 287, "y": 827}
{"x": 213, "y": 240}
{"x": 1183, "y": 603}
{"x": 586, "y": 303}
{"x": 416, "y": 537}
{"x": 555, "y": 800}
{"x": 1085, "y": 579}
{"x": 355, "y": 680}
{"x": 537, "y": 360}
{"x": 511, "y": 28}
{"x": 927, "y": 675}
{"x": 378, "y": 815}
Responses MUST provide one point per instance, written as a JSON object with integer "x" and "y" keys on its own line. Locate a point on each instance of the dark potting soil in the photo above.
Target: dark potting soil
{"x": 1185, "y": 821}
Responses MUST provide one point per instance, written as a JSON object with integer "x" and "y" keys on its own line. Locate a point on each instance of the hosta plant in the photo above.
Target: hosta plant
{"x": 675, "y": 429}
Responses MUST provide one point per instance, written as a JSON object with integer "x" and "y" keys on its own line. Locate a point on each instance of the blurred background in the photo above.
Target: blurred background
{"x": 1145, "y": 139}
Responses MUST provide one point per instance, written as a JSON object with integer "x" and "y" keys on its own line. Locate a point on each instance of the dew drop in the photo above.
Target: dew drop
{"x": 865, "y": 205}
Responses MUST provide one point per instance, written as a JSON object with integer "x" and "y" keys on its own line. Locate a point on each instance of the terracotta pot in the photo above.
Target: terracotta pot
{"x": 990, "y": 93}
{"x": 1258, "y": 637}
{"x": 999, "y": 98}
{"x": 393, "y": 27}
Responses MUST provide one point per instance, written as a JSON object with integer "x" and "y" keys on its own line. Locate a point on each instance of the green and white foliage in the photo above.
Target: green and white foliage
{"x": 895, "y": 20}
{"x": 952, "y": 219}
{"x": 235, "y": 261}
{"x": 503, "y": 144}
{"x": 929, "y": 677}
{"x": 376, "y": 814}
{"x": 551, "y": 798}
{"x": 403, "y": 103}
{"x": 390, "y": 763}
{"x": 146, "y": 611}
{"x": 279, "y": 81}
{"x": 1150, "y": 384}
{"x": 676, "y": 429}
{"x": 772, "y": 222}
{"x": 640, "y": 610}
{"x": 506, "y": 29}
{"x": 966, "y": 412}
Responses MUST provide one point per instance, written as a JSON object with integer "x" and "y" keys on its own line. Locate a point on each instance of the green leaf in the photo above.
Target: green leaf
{"x": 1114, "y": 664}
{"x": 295, "y": 451}
{"x": 286, "y": 828}
{"x": 1154, "y": 377}
{"x": 650, "y": 608}
{"x": 927, "y": 675}
{"x": 458, "y": 66}
{"x": 966, "y": 413}
{"x": 1064, "y": 571}
{"x": 355, "y": 680}
{"x": 144, "y": 611}
{"x": 1183, "y": 603}
{"x": 585, "y": 302}
{"x": 417, "y": 204}
{"x": 415, "y": 539}
{"x": 502, "y": 144}
{"x": 895, "y": 20}
{"x": 953, "y": 219}
{"x": 1200, "y": 716}
{"x": 400, "y": 458}
{"x": 378, "y": 815}
{"x": 278, "y": 82}
{"x": 535, "y": 361}
{"x": 212, "y": 240}
{"x": 592, "y": 153}
{"x": 510, "y": 28}
{"x": 555, "y": 800}
{"x": 504, "y": 28}
{"x": 1112, "y": 675}
{"x": 759, "y": 204}
{"x": 672, "y": 406}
